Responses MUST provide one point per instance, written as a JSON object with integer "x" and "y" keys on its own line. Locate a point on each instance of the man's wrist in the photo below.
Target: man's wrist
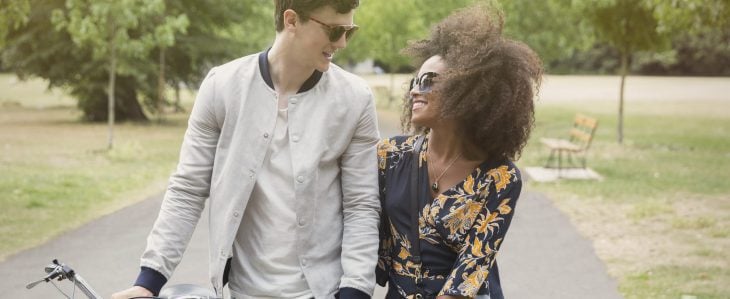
{"x": 348, "y": 293}
{"x": 151, "y": 280}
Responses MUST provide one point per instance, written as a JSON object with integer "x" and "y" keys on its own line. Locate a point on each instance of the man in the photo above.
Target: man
{"x": 283, "y": 145}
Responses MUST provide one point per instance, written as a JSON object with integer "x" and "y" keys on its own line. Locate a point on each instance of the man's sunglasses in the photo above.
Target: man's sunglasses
{"x": 335, "y": 32}
{"x": 424, "y": 82}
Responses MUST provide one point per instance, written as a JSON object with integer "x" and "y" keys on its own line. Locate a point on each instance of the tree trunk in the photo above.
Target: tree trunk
{"x": 624, "y": 71}
{"x": 178, "y": 104}
{"x": 112, "y": 78}
{"x": 391, "y": 89}
{"x": 161, "y": 86}
{"x": 392, "y": 73}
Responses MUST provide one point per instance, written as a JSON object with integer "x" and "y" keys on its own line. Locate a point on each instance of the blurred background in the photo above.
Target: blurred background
{"x": 655, "y": 74}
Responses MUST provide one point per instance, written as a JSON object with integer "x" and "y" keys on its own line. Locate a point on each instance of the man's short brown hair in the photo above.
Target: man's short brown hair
{"x": 305, "y": 7}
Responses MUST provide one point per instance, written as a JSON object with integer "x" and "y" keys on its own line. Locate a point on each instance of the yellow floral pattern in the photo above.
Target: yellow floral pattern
{"x": 470, "y": 220}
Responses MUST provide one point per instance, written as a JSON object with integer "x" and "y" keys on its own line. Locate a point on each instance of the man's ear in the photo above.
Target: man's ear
{"x": 291, "y": 19}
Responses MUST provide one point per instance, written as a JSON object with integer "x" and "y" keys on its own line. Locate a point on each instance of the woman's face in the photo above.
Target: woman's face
{"x": 426, "y": 104}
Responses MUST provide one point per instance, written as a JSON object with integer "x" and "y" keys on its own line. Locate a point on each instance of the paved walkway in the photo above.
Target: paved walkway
{"x": 543, "y": 255}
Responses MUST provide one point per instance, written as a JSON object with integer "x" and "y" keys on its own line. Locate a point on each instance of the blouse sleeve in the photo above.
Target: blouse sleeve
{"x": 482, "y": 242}
{"x": 384, "y": 262}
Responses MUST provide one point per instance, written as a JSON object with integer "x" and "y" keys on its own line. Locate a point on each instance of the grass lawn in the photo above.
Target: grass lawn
{"x": 660, "y": 219}
{"x": 56, "y": 172}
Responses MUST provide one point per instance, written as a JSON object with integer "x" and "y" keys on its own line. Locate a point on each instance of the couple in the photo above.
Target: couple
{"x": 283, "y": 145}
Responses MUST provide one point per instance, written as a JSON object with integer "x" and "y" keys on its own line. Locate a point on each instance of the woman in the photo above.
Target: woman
{"x": 471, "y": 107}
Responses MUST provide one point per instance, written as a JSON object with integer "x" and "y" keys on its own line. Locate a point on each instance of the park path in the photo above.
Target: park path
{"x": 543, "y": 256}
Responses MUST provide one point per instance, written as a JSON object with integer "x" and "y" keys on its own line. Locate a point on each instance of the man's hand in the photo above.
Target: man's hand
{"x": 135, "y": 291}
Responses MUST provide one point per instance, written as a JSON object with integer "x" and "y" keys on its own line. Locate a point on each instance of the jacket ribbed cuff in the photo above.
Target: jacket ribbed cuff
{"x": 351, "y": 293}
{"x": 151, "y": 279}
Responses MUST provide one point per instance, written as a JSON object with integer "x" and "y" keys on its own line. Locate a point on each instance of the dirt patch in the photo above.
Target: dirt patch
{"x": 691, "y": 232}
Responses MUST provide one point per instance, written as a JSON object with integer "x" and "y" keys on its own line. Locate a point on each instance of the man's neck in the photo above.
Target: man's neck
{"x": 287, "y": 74}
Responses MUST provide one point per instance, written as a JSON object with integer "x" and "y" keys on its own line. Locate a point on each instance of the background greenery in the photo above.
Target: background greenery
{"x": 659, "y": 219}
{"x": 54, "y": 39}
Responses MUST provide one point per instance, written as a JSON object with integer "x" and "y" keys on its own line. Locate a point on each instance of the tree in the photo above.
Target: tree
{"x": 699, "y": 32}
{"x": 555, "y": 29}
{"x": 694, "y": 16}
{"x": 113, "y": 30}
{"x": 629, "y": 26}
{"x": 13, "y": 14}
{"x": 388, "y": 26}
{"x": 218, "y": 33}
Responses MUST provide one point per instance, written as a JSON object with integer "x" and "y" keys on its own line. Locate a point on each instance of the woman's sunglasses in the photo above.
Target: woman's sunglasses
{"x": 335, "y": 32}
{"x": 424, "y": 82}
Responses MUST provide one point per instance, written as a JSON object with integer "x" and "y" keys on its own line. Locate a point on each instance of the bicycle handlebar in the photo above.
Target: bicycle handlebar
{"x": 61, "y": 271}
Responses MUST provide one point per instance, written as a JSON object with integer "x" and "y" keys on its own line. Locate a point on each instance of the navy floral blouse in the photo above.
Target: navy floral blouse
{"x": 460, "y": 230}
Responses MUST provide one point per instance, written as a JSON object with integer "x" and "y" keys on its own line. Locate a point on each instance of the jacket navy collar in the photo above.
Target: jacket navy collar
{"x": 266, "y": 74}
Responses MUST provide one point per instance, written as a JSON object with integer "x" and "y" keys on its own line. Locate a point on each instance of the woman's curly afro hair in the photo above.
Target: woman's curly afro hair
{"x": 489, "y": 85}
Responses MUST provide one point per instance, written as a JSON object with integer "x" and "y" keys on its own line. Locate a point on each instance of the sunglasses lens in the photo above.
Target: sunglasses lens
{"x": 426, "y": 84}
{"x": 350, "y": 33}
{"x": 337, "y": 32}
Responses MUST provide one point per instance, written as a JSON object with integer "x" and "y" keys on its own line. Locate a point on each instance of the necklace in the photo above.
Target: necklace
{"x": 435, "y": 185}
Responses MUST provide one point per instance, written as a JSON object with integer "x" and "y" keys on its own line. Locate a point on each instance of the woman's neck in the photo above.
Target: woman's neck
{"x": 444, "y": 143}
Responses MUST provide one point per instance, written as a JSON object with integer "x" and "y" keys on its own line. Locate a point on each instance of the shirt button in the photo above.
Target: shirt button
{"x": 236, "y": 214}
{"x": 293, "y": 101}
{"x": 266, "y": 135}
{"x": 300, "y": 179}
{"x": 295, "y": 138}
{"x": 302, "y": 222}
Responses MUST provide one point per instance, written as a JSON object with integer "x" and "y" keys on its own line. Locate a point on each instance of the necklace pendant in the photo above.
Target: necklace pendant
{"x": 435, "y": 187}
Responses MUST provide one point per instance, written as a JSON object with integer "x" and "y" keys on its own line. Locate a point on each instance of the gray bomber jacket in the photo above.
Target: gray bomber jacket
{"x": 333, "y": 134}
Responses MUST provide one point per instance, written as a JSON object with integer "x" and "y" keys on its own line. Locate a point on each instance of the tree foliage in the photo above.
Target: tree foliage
{"x": 629, "y": 26}
{"x": 693, "y": 16}
{"x": 216, "y": 33}
{"x": 13, "y": 14}
{"x": 387, "y": 27}
{"x": 569, "y": 35}
{"x": 555, "y": 29}
{"x": 116, "y": 34}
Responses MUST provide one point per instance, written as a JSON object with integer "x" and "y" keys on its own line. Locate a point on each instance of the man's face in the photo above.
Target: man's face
{"x": 312, "y": 39}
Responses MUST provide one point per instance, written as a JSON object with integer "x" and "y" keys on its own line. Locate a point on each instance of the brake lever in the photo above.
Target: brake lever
{"x": 52, "y": 274}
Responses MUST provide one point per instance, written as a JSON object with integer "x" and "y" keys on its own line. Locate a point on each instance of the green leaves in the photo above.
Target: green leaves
{"x": 555, "y": 29}
{"x": 13, "y": 14}
{"x": 387, "y": 26}
{"x": 694, "y": 16}
{"x": 128, "y": 29}
{"x": 628, "y": 25}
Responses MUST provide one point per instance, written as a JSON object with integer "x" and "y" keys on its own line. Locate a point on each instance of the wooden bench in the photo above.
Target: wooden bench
{"x": 577, "y": 143}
